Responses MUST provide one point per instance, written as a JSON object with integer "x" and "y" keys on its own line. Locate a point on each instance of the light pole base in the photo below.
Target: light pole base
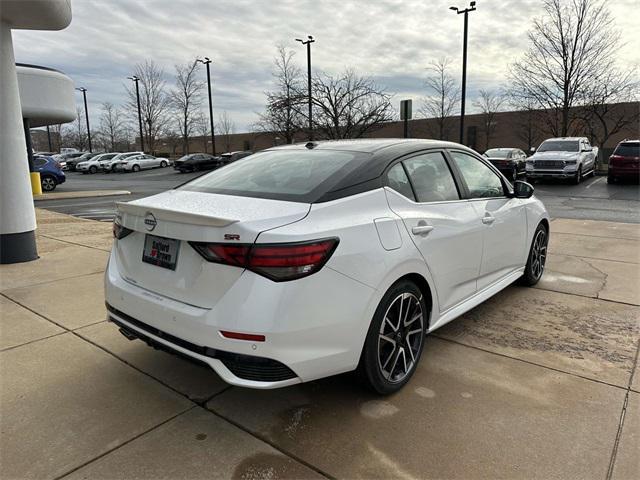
{"x": 18, "y": 247}
{"x": 36, "y": 186}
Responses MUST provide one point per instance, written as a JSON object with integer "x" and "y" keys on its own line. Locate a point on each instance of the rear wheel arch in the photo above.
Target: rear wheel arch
{"x": 425, "y": 289}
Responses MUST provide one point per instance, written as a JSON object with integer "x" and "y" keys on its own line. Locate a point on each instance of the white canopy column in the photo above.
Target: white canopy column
{"x": 17, "y": 213}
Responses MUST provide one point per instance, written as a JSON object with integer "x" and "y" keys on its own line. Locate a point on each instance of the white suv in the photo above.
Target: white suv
{"x": 565, "y": 157}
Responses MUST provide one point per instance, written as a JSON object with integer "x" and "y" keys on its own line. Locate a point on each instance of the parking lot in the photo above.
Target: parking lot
{"x": 534, "y": 383}
{"x": 593, "y": 199}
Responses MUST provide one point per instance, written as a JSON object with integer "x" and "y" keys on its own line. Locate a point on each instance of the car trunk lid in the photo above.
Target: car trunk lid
{"x": 195, "y": 217}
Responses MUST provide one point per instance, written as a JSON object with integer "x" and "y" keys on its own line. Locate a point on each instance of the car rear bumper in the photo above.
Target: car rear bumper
{"x": 313, "y": 327}
{"x": 624, "y": 172}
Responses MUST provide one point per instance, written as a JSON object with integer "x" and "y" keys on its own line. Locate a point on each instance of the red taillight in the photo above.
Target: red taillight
{"x": 242, "y": 336}
{"x": 615, "y": 158}
{"x": 119, "y": 231}
{"x": 278, "y": 262}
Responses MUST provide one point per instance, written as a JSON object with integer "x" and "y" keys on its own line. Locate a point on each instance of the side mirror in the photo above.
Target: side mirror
{"x": 522, "y": 189}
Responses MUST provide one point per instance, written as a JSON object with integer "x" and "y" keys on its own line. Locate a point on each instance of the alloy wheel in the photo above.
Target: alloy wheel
{"x": 48, "y": 184}
{"x": 400, "y": 337}
{"x": 539, "y": 254}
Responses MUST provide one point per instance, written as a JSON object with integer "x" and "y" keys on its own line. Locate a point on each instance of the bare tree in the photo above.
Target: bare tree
{"x": 603, "y": 115}
{"x": 74, "y": 134}
{"x": 111, "y": 126}
{"x": 442, "y": 99}
{"x": 489, "y": 103}
{"x": 282, "y": 115}
{"x": 226, "y": 127}
{"x": 186, "y": 100}
{"x": 349, "y": 106}
{"x": 202, "y": 127}
{"x": 570, "y": 46}
{"x": 528, "y": 122}
{"x": 154, "y": 101}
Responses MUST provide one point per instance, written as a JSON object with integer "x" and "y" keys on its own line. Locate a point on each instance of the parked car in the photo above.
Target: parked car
{"x": 93, "y": 164}
{"x": 136, "y": 163}
{"x": 231, "y": 157}
{"x": 107, "y": 164}
{"x": 624, "y": 163}
{"x": 304, "y": 261}
{"x": 63, "y": 158}
{"x": 510, "y": 161}
{"x": 73, "y": 161}
{"x": 51, "y": 174}
{"x": 195, "y": 162}
{"x": 566, "y": 157}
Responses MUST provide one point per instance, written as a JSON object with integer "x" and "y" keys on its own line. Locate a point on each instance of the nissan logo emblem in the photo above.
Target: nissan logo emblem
{"x": 150, "y": 221}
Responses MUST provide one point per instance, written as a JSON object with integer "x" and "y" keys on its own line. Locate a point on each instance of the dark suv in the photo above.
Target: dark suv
{"x": 625, "y": 162}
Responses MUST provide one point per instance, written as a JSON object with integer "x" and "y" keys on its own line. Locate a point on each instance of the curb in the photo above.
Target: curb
{"x": 80, "y": 194}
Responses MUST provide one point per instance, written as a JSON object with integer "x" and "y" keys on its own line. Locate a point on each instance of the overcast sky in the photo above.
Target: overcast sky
{"x": 391, "y": 40}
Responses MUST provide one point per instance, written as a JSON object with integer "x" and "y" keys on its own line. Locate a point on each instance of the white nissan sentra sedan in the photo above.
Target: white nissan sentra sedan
{"x": 304, "y": 261}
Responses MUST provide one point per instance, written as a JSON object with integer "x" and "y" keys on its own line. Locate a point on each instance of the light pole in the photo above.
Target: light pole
{"x": 207, "y": 62}
{"x": 86, "y": 115}
{"x": 136, "y": 80}
{"x": 466, "y": 11}
{"x": 308, "y": 43}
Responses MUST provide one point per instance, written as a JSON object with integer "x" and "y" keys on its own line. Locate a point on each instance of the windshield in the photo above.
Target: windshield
{"x": 296, "y": 175}
{"x": 559, "y": 146}
{"x": 628, "y": 150}
{"x": 497, "y": 153}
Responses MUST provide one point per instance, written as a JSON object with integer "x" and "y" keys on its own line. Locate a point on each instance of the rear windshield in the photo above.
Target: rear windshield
{"x": 497, "y": 153}
{"x": 628, "y": 150}
{"x": 294, "y": 175}
{"x": 559, "y": 146}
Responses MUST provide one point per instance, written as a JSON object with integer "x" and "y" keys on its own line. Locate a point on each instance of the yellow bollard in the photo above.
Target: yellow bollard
{"x": 36, "y": 186}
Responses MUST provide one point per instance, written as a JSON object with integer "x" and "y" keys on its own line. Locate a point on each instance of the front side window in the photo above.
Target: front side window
{"x": 431, "y": 178}
{"x": 398, "y": 180}
{"x": 481, "y": 181}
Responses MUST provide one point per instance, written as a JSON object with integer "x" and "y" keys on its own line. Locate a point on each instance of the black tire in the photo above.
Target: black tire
{"x": 578, "y": 176}
{"x": 537, "y": 257}
{"x": 93, "y": 169}
{"x": 135, "y": 168}
{"x": 383, "y": 344}
{"x": 48, "y": 183}
{"x": 611, "y": 179}
{"x": 163, "y": 164}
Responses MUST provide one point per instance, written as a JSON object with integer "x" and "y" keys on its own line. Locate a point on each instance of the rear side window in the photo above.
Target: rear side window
{"x": 39, "y": 162}
{"x": 628, "y": 150}
{"x": 431, "y": 178}
{"x": 398, "y": 180}
{"x": 295, "y": 175}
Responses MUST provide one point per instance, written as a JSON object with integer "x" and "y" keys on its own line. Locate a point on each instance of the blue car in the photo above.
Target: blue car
{"x": 51, "y": 174}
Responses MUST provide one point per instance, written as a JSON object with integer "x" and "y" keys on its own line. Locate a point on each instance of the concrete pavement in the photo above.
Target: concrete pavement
{"x": 538, "y": 382}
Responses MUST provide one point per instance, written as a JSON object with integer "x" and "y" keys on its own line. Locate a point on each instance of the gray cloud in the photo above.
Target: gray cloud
{"x": 390, "y": 40}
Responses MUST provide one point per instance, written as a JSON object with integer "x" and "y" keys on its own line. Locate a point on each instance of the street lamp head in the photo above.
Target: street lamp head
{"x": 299, "y": 40}
{"x": 206, "y": 60}
{"x": 134, "y": 78}
{"x": 473, "y": 4}
{"x": 455, "y": 9}
{"x": 81, "y": 89}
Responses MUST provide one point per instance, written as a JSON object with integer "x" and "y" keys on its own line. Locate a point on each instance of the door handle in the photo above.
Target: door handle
{"x": 488, "y": 219}
{"x": 421, "y": 229}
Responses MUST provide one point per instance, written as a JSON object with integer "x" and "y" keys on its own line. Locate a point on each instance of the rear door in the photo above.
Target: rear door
{"x": 444, "y": 227}
{"x": 503, "y": 219}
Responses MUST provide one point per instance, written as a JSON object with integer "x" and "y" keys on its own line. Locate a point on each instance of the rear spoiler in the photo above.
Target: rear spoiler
{"x": 176, "y": 216}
